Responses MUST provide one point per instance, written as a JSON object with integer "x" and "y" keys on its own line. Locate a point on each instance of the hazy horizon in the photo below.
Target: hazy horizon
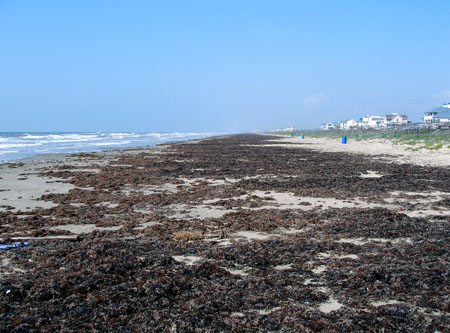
{"x": 218, "y": 67}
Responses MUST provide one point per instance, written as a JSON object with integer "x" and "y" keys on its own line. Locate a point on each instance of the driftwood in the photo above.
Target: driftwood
{"x": 72, "y": 238}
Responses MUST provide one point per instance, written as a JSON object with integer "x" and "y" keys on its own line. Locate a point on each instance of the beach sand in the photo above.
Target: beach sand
{"x": 384, "y": 150}
{"x": 295, "y": 235}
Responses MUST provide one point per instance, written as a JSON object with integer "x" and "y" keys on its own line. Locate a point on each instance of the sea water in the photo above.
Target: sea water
{"x": 20, "y": 145}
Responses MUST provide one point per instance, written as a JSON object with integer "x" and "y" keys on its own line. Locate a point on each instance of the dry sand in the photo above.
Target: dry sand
{"x": 381, "y": 149}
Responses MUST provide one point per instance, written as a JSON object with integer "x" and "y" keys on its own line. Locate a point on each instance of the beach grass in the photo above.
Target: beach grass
{"x": 423, "y": 141}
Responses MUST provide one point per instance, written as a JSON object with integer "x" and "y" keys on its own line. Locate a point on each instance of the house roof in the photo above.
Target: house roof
{"x": 439, "y": 109}
{"x": 443, "y": 114}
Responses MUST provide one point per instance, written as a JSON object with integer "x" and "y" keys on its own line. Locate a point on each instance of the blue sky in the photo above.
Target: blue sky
{"x": 227, "y": 66}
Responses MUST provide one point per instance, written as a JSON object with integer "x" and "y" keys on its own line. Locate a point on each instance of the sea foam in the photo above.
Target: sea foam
{"x": 20, "y": 145}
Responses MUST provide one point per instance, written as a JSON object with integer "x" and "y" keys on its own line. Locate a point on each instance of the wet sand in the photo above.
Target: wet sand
{"x": 294, "y": 236}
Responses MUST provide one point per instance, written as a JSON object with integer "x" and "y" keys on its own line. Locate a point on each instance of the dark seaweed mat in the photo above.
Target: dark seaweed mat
{"x": 105, "y": 282}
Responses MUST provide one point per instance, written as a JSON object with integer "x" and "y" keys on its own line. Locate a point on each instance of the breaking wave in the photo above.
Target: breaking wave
{"x": 20, "y": 145}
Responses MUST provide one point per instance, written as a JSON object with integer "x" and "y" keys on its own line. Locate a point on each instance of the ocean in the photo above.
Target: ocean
{"x": 20, "y": 145}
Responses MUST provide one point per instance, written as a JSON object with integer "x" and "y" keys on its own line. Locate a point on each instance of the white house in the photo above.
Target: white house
{"x": 388, "y": 119}
{"x": 287, "y": 129}
{"x": 363, "y": 122}
{"x": 394, "y": 119}
{"x": 348, "y": 124}
{"x": 399, "y": 119}
{"x": 429, "y": 116}
{"x": 371, "y": 121}
{"x": 443, "y": 118}
{"x": 439, "y": 115}
{"x": 328, "y": 126}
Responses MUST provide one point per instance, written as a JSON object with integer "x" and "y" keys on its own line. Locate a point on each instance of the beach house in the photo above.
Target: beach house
{"x": 428, "y": 117}
{"x": 371, "y": 121}
{"x": 348, "y": 124}
{"x": 394, "y": 119}
{"x": 443, "y": 117}
{"x": 440, "y": 115}
{"x": 388, "y": 119}
{"x": 399, "y": 119}
{"x": 328, "y": 126}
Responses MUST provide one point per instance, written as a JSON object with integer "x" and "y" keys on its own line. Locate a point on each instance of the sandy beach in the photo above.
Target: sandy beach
{"x": 383, "y": 150}
{"x": 235, "y": 233}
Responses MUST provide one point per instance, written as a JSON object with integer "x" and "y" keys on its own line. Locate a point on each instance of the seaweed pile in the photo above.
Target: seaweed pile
{"x": 228, "y": 234}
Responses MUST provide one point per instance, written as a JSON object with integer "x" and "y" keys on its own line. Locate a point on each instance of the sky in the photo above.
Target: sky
{"x": 222, "y": 66}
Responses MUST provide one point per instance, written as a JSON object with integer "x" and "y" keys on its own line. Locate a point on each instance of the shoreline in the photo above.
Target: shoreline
{"x": 57, "y": 156}
{"x": 245, "y": 231}
{"x": 24, "y": 193}
{"x": 382, "y": 149}
{"x": 132, "y": 140}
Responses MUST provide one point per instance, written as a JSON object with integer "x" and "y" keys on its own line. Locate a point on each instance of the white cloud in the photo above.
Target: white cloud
{"x": 315, "y": 100}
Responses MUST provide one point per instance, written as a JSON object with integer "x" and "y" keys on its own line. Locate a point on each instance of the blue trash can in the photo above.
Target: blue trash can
{"x": 344, "y": 139}
{"x": 303, "y": 136}
{"x": 292, "y": 134}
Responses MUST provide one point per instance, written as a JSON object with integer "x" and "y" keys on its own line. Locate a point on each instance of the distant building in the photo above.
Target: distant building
{"x": 443, "y": 118}
{"x": 287, "y": 129}
{"x": 429, "y": 116}
{"x": 348, "y": 124}
{"x": 328, "y": 126}
{"x": 440, "y": 115}
{"x": 394, "y": 119}
{"x": 399, "y": 119}
{"x": 388, "y": 119}
{"x": 371, "y": 121}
